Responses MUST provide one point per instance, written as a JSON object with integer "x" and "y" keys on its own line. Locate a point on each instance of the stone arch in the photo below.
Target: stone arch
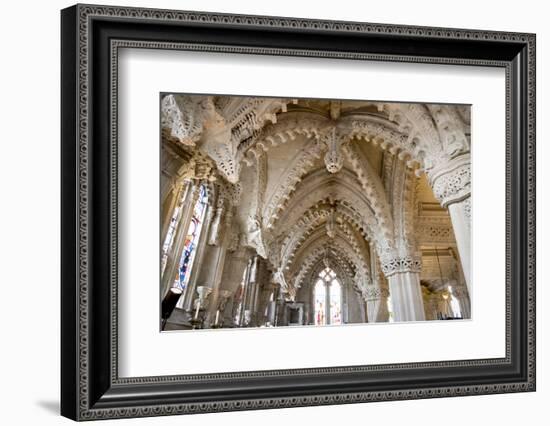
{"x": 342, "y": 188}
{"x": 401, "y": 192}
{"x": 341, "y": 246}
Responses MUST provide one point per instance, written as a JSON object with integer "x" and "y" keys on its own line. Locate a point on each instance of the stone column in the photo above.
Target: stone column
{"x": 187, "y": 302}
{"x": 234, "y": 270}
{"x": 403, "y": 274}
{"x": 461, "y": 293}
{"x": 174, "y": 256}
{"x": 327, "y": 303}
{"x": 215, "y": 277}
{"x": 406, "y": 296}
{"x": 451, "y": 183}
{"x": 169, "y": 205}
{"x": 376, "y": 295}
{"x": 376, "y": 299}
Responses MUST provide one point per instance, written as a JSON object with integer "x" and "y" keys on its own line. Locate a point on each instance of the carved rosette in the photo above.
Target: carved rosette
{"x": 393, "y": 265}
{"x": 451, "y": 182}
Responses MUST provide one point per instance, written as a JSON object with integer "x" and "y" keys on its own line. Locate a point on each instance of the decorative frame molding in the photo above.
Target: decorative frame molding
{"x": 91, "y": 37}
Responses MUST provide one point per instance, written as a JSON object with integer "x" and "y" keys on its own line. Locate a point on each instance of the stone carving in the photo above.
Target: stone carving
{"x": 215, "y": 227}
{"x": 182, "y": 117}
{"x": 331, "y": 224}
{"x": 201, "y": 302}
{"x": 451, "y": 182}
{"x": 333, "y": 157}
{"x": 300, "y": 165}
{"x": 254, "y": 236}
{"x": 374, "y": 293}
{"x": 431, "y": 229}
{"x": 198, "y": 168}
{"x": 393, "y": 265}
{"x": 224, "y": 296}
{"x": 451, "y": 129}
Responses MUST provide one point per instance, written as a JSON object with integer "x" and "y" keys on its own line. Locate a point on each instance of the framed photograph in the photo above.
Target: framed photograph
{"x": 263, "y": 212}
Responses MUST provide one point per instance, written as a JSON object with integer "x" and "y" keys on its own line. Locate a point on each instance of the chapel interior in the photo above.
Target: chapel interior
{"x": 296, "y": 212}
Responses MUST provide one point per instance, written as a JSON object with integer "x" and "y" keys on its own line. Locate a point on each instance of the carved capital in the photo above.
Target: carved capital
{"x": 451, "y": 182}
{"x": 394, "y": 264}
{"x": 373, "y": 293}
{"x": 199, "y": 167}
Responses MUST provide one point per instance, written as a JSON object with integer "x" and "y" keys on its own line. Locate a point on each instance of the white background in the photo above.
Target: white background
{"x": 141, "y": 345}
{"x": 29, "y": 226}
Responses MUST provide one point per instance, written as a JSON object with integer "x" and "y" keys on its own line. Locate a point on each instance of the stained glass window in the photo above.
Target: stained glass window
{"x": 170, "y": 233}
{"x": 335, "y": 303}
{"x": 328, "y": 307}
{"x": 191, "y": 240}
{"x": 320, "y": 300}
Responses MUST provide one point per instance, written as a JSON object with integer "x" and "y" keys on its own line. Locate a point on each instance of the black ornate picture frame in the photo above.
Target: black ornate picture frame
{"x": 90, "y": 385}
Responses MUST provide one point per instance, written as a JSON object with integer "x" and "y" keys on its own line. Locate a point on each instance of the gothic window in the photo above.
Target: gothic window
{"x": 320, "y": 300}
{"x": 191, "y": 240}
{"x": 328, "y": 298}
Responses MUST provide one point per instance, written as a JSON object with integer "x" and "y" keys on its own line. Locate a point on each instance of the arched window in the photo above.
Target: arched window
{"x": 328, "y": 298}
{"x": 320, "y": 300}
{"x": 191, "y": 240}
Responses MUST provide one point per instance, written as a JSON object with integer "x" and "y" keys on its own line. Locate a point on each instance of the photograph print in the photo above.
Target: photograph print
{"x": 312, "y": 212}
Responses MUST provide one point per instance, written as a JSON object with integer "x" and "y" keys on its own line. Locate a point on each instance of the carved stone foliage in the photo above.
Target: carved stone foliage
{"x": 218, "y": 126}
{"x": 182, "y": 117}
{"x": 453, "y": 131}
{"x": 334, "y": 159}
{"x": 452, "y": 181}
{"x": 410, "y": 263}
{"x": 374, "y": 293}
{"x": 199, "y": 167}
{"x": 254, "y": 235}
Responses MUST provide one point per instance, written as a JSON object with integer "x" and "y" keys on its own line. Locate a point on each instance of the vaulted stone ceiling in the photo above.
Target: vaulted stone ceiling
{"x": 313, "y": 181}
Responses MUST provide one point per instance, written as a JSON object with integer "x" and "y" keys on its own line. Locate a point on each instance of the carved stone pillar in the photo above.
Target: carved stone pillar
{"x": 404, "y": 282}
{"x": 170, "y": 204}
{"x": 172, "y": 263}
{"x": 376, "y": 299}
{"x": 451, "y": 184}
{"x": 217, "y": 265}
{"x": 234, "y": 269}
{"x": 187, "y": 302}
